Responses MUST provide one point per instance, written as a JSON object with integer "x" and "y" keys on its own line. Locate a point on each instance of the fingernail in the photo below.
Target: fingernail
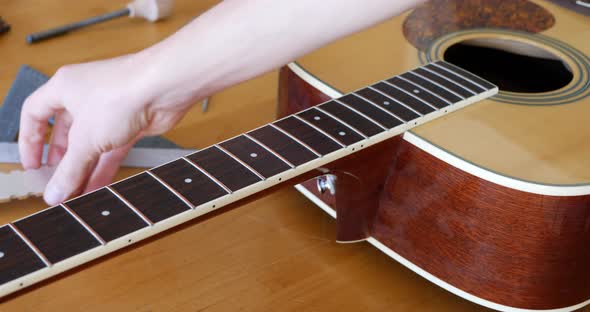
{"x": 53, "y": 195}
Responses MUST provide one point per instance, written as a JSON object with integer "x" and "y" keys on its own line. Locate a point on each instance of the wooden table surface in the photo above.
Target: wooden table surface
{"x": 277, "y": 253}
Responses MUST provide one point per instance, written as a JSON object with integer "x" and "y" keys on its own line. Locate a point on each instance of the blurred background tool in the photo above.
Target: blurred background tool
{"x": 205, "y": 105}
{"x": 151, "y": 10}
{"x": 3, "y": 26}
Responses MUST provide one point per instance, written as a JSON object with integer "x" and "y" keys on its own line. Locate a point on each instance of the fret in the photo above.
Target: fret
{"x": 151, "y": 197}
{"x": 361, "y": 123}
{"x": 270, "y": 150}
{"x": 443, "y": 81}
{"x": 56, "y": 234}
{"x": 171, "y": 189}
{"x": 203, "y": 171}
{"x": 466, "y": 74}
{"x": 393, "y": 106}
{"x": 403, "y": 98}
{"x": 255, "y": 156}
{"x": 419, "y": 92}
{"x": 308, "y": 135}
{"x": 342, "y": 122}
{"x": 225, "y": 168}
{"x": 345, "y": 134}
{"x": 84, "y": 224}
{"x": 286, "y": 146}
{"x": 130, "y": 206}
{"x": 30, "y": 244}
{"x": 297, "y": 117}
{"x": 17, "y": 259}
{"x": 190, "y": 183}
{"x": 296, "y": 140}
{"x": 433, "y": 87}
{"x": 241, "y": 162}
{"x": 106, "y": 214}
{"x": 372, "y": 110}
{"x": 356, "y": 119}
{"x": 455, "y": 78}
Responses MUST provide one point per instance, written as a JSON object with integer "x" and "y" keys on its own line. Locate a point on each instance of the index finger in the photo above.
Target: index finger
{"x": 36, "y": 111}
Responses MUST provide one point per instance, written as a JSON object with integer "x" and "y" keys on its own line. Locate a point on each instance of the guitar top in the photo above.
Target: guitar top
{"x": 536, "y": 129}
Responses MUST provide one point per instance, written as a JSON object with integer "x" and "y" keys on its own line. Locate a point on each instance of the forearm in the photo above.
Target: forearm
{"x": 240, "y": 39}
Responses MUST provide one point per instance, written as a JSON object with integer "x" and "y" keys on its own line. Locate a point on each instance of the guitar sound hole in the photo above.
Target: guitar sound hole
{"x": 512, "y": 66}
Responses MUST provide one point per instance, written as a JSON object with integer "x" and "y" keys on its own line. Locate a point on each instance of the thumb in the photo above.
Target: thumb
{"x": 73, "y": 170}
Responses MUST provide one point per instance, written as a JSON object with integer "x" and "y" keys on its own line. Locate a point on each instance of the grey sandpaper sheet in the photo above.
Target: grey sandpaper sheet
{"x": 27, "y": 81}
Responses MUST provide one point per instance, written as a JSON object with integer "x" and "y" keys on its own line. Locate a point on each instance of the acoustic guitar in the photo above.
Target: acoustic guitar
{"x": 492, "y": 202}
{"x": 507, "y": 240}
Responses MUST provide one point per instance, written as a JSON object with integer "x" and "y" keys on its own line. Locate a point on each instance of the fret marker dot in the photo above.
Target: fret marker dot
{"x": 386, "y": 103}
{"x": 1, "y": 254}
{"x": 316, "y": 118}
{"x": 105, "y": 213}
{"x": 416, "y": 91}
{"x": 188, "y": 180}
{"x": 253, "y": 155}
{"x": 341, "y": 133}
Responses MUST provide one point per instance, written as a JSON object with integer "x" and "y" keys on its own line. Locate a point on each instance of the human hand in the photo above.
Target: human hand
{"x": 101, "y": 109}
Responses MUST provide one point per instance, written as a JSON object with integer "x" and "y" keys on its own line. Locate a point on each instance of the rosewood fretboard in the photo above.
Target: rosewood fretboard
{"x": 79, "y": 230}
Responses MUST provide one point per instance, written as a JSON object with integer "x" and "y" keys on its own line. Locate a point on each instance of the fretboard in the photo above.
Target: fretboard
{"x": 85, "y": 228}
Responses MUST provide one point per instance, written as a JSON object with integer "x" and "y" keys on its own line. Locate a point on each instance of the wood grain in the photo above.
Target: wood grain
{"x": 506, "y": 246}
{"x": 308, "y": 135}
{"x": 256, "y": 156}
{"x": 57, "y": 234}
{"x": 373, "y": 112}
{"x": 106, "y": 214}
{"x": 201, "y": 188}
{"x": 350, "y": 117}
{"x": 331, "y": 126}
{"x": 17, "y": 259}
{"x": 224, "y": 168}
{"x": 161, "y": 204}
{"x": 282, "y": 144}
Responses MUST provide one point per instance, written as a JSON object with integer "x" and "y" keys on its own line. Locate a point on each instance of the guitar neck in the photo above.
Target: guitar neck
{"x": 82, "y": 229}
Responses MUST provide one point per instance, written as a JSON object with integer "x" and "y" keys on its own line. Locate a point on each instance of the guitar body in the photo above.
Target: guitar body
{"x": 492, "y": 202}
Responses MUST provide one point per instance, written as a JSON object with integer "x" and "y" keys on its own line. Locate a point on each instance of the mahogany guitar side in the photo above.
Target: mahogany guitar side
{"x": 481, "y": 239}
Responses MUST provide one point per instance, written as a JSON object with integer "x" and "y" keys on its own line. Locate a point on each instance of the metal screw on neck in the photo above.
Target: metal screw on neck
{"x": 327, "y": 183}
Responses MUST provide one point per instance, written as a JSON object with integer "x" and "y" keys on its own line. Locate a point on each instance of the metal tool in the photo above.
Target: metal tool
{"x": 151, "y": 10}
{"x": 20, "y": 184}
{"x": 205, "y": 105}
{"x": 138, "y": 157}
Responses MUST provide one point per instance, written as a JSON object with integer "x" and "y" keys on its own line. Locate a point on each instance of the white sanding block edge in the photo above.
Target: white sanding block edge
{"x": 22, "y": 184}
